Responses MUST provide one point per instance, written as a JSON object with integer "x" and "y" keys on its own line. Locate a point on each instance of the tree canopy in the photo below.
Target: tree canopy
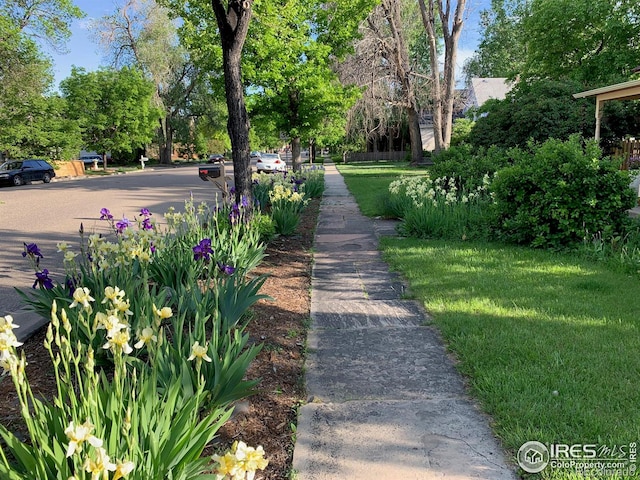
{"x": 113, "y": 108}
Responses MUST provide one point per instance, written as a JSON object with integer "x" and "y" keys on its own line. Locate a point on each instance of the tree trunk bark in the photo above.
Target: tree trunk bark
{"x": 415, "y": 137}
{"x": 295, "y": 153}
{"x": 443, "y": 98}
{"x": 238, "y": 124}
{"x": 166, "y": 141}
{"x": 233, "y": 24}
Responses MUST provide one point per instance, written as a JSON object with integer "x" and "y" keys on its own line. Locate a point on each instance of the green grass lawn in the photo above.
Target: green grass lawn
{"x": 369, "y": 182}
{"x": 549, "y": 342}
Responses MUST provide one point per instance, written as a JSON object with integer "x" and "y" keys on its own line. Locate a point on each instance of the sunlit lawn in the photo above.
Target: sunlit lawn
{"x": 368, "y": 182}
{"x": 549, "y": 342}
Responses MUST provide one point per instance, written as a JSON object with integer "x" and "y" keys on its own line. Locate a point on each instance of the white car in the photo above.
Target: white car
{"x": 270, "y": 163}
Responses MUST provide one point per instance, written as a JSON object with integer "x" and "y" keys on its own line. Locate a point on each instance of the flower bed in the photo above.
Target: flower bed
{"x": 117, "y": 343}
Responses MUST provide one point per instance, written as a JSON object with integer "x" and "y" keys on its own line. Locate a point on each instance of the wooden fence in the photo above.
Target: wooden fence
{"x": 629, "y": 150}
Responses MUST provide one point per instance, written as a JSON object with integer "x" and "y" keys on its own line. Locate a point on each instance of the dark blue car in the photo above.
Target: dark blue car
{"x": 19, "y": 172}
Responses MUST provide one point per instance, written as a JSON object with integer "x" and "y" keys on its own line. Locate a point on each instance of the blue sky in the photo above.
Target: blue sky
{"x": 84, "y": 52}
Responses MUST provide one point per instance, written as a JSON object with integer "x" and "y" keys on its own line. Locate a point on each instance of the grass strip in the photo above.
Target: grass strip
{"x": 549, "y": 342}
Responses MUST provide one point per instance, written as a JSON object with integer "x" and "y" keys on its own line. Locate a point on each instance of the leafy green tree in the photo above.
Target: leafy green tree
{"x": 501, "y": 51}
{"x": 140, "y": 33}
{"x": 298, "y": 95}
{"x": 114, "y": 108}
{"x": 48, "y": 131}
{"x": 48, "y": 20}
{"x": 24, "y": 79}
{"x": 536, "y": 110}
{"x": 592, "y": 41}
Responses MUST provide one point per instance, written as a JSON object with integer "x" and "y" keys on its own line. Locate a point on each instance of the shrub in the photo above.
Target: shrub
{"x": 438, "y": 209}
{"x": 468, "y": 165}
{"x": 557, "y": 192}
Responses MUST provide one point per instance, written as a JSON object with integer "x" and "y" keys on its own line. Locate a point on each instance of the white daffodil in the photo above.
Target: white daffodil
{"x": 146, "y": 336}
{"x": 199, "y": 352}
{"x": 81, "y": 296}
{"x": 79, "y": 434}
{"x": 99, "y": 466}
{"x": 6, "y": 324}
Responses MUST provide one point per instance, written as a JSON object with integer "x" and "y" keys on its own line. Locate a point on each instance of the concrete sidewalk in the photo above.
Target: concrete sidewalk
{"x": 386, "y": 402}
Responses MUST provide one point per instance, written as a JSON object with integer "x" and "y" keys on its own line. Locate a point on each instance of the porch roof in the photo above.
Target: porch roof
{"x": 620, "y": 91}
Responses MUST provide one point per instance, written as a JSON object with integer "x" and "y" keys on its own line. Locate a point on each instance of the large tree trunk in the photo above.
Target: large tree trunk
{"x": 400, "y": 57}
{"x": 166, "y": 141}
{"x": 415, "y": 137}
{"x": 443, "y": 93}
{"x": 233, "y": 24}
{"x": 295, "y": 153}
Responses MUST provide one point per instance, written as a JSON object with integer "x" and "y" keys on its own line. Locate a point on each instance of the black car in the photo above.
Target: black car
{"x": 19, "y": 172}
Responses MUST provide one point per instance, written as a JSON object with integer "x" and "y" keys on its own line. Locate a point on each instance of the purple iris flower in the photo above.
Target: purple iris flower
{"x": 71, "y": 284}
{"x": 232, "y": 191}
{"x": 234, "y": 214}
{"x": 43, "y": 280}
{"x": 144, "y": 212}
{"x": 122, "y": 225}
{"x": 146, "y": 224}
{"x": 152, "y": 247}
{"x": 244, "y": 201}
{"x": 105, "y": 214}
{"x": 32, "y": 250}
{"x": 203, "y": 250}
{"x": 226, "y": 269}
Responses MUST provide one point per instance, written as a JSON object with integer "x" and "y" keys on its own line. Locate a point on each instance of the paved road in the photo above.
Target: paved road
{"x": 47, "y": 214}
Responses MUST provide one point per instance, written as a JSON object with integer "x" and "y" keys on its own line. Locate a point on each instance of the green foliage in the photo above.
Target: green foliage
{"x": 113, "y": 107}
{"x": 286, "y": 207}
{"x": 536, "y": 110}
{"x": 501, "y": 51}
{"x": 439, "y": 209}
{"x": 49, "y": 20}
{"x": 120, "y": 423}
{"x": 313, "y": 179}
{"x": 461, "y": 129}
{"x": 558, "y": 192}
{"x": 594, "y": 45}
{"x": 468, "y": 165}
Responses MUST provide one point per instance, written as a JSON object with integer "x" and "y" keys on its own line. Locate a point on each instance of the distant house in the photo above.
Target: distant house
{"x": 482, "y": 89}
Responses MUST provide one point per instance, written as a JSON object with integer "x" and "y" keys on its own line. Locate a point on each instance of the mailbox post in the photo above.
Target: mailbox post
{"x": 216, "y": 175}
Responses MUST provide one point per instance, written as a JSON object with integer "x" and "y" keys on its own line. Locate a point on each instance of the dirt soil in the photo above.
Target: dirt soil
{"x": 269, "y": 417}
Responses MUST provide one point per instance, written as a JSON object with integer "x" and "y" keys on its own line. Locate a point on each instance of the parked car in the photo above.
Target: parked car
{"x": 216, "y": 158}
{"x": 271, "y": 162}
{"x": 255, "y": 155}
{"x": 19, "y": 172}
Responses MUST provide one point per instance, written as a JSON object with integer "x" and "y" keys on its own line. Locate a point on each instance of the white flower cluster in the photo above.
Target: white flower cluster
{"x": 99, "y": 464}
{"x": 8, "y": 344}
{"x": 423, "y": 190}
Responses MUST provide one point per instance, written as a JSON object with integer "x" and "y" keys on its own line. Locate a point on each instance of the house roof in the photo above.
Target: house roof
{"x": 482, "y": 89}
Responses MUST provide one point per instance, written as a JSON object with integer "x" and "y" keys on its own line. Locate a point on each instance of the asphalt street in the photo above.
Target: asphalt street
{"x": 46, "y": 214}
